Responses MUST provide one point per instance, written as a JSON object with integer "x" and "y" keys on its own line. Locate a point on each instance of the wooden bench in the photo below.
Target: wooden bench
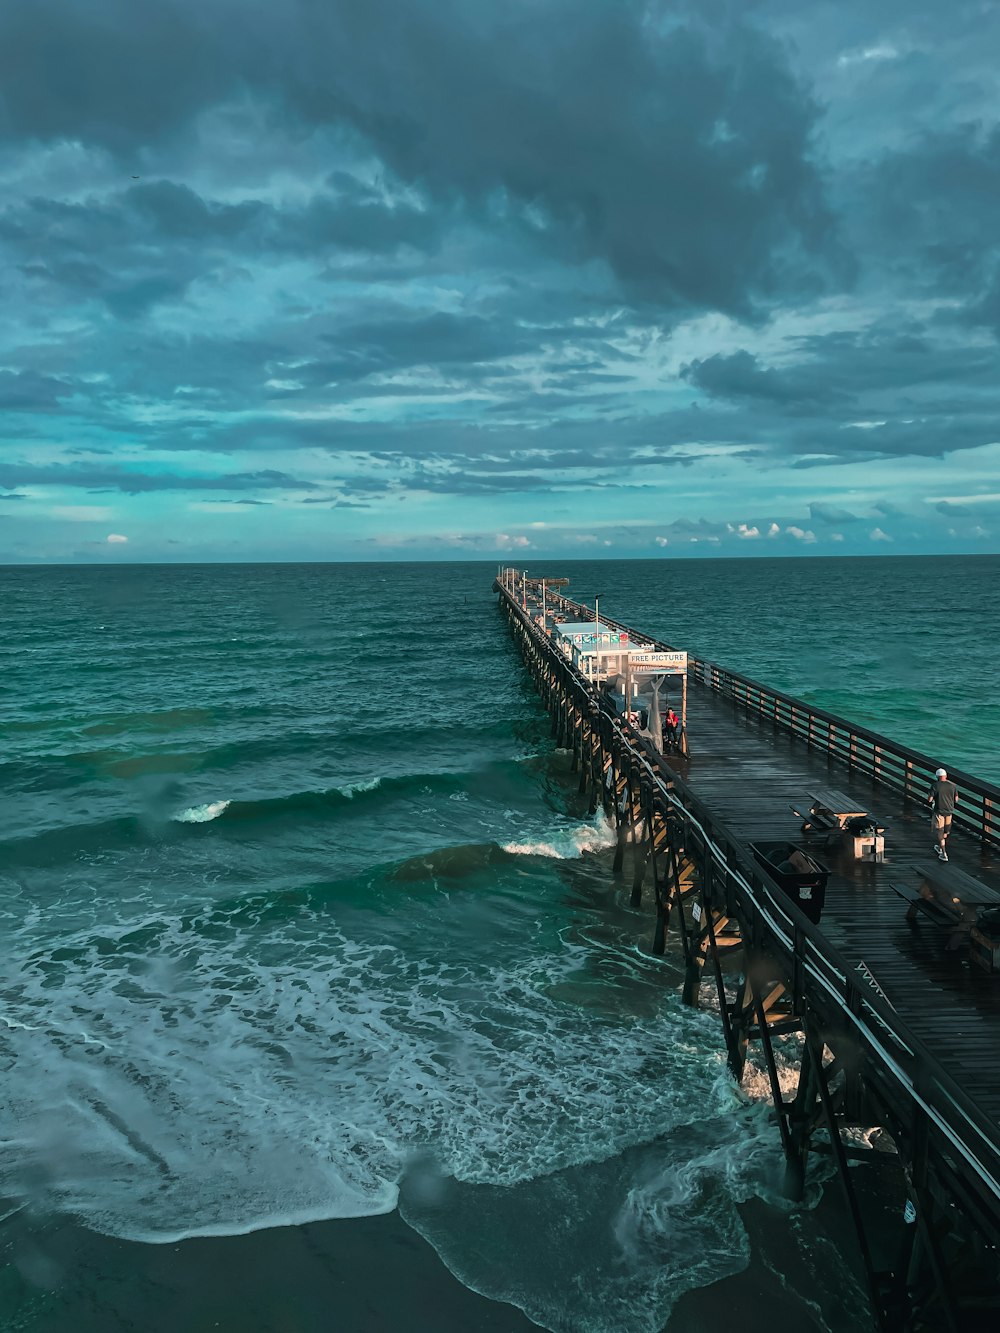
{"x": 835, "y": 805}
{"x": 817, "y": 819}
{"x": 948, "y": 897}
{"x": 831, "y": 812}
{"x": 930, "y": 907}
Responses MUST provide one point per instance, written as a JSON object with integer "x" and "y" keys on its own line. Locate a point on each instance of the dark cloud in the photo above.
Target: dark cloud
{"x": 165, "y": 210}
{"x": 107, "y": 74}
{"x": 355, "y": 218}
{"x": 26, "y": 391}
{"x": 148, "y": 243}
{"x": 849, "y": 374}
{"x": 827, "y": 513}
{"x": 987, "y": 309}
{"x": 342, "y": 213}
{"x": 928, "y": 210}
{"x": 687, "y": 165}
{"x": 536, "y": 471}
{"x": 459, "y": 247}
{"x": 101, "y": 478}
{"x": 126, "y": 299}
{"x": 953, "y": 510}
{"x": 460, "y": 483}
{"x": 890, "y": 392}
{"x": 927, "y": 437}
{"x": 440, "y": 339}
{"x": 740, "y": 376}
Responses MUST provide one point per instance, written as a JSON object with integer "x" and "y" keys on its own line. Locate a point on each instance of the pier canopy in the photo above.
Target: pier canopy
{"x": 597, "y": 653}
{"x": 583, "y": 634}
{"x": 636, "y": 671}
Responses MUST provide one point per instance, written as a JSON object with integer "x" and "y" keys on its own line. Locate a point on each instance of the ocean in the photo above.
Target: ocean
{"x": 303, "y": 922}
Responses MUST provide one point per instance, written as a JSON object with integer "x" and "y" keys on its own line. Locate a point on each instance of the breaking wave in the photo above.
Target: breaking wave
{"x": 202, "y": 814}
{"x": 570, "y": 842}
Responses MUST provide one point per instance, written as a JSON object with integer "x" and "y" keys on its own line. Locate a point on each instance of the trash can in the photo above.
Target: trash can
{"x": 805, "y": 883}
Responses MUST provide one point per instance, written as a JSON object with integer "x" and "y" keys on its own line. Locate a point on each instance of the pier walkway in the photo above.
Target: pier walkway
{"x": 894, "y": 1028}
{"x": 751, "y": 774}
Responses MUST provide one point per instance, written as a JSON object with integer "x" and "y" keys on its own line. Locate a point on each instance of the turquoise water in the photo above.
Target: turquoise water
{"x": 301, "y": 917}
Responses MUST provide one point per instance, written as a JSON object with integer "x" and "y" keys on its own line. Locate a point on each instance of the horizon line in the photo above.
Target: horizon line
{"x": 508, "y": 564}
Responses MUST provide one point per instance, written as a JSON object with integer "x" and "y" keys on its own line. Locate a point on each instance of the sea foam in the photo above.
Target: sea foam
{"x": 202, "y": 814}
{"x": 567, "y": 843}
{"x": 351, "y": 789}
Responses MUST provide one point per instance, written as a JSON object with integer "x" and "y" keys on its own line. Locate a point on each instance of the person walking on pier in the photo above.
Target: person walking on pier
{"x": 942, "y": 798}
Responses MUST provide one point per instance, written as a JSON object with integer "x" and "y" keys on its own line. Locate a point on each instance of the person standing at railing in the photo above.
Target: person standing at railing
{"x": 942, "y": 798}
{"x": 671, "y": 727}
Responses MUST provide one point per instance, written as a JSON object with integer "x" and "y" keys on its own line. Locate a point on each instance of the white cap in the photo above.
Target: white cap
{"x": 941, "y": 773}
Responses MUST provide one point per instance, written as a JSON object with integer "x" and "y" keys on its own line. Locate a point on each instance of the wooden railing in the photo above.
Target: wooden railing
{"x": 904, "y": 771}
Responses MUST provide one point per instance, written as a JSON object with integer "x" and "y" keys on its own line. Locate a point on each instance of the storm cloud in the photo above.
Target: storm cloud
{"x": 674, "y": 148}
{"x": 656, "y": 261}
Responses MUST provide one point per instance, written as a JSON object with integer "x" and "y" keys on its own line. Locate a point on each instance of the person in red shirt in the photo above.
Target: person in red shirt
{"x": 672, "y": 726}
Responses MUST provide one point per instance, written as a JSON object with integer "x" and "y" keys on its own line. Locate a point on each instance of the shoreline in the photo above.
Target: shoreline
{"x": 378, "y": 1275}
{"x": 369, "y": 1275}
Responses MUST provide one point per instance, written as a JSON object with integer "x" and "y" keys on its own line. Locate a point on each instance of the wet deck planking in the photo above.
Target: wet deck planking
{"x": 749, "y": 773}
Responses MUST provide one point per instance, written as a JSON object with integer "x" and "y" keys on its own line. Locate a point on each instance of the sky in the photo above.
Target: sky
{"x": 444, "y": 279}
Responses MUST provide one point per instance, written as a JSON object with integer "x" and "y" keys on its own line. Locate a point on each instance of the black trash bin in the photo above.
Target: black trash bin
{"x": 807, "y": 888}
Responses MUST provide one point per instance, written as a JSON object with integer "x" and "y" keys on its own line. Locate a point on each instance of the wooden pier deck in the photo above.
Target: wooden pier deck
{"x": 750, "y": 773}
{"x": 895, "y": 1021}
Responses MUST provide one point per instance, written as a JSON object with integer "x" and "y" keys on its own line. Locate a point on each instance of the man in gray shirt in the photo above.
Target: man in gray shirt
{"x": 942, "y": 798}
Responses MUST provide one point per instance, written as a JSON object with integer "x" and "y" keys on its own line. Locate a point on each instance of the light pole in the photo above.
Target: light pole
{"x": 597, "y": 633}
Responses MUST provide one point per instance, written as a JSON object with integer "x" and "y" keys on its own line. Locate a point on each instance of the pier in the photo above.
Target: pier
{"x": 879, "y": 987}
